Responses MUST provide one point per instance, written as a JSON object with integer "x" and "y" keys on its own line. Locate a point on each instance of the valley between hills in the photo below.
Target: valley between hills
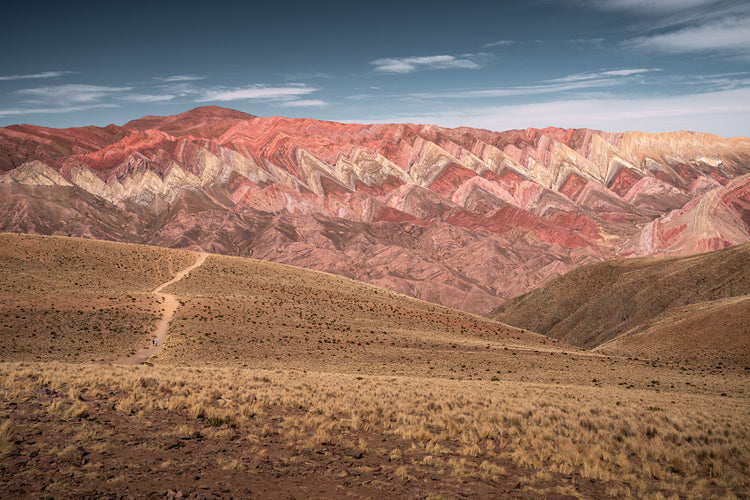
{"x": 466, "y": 218}
{"x": 372, "y": 310}
{"x": 275, "y": 381}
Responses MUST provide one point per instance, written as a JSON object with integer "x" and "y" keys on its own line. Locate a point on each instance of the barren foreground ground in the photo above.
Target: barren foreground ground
{"x": 282, "y": 383}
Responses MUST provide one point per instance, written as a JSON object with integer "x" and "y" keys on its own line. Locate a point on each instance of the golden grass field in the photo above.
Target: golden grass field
{"x": 276, "y": 382}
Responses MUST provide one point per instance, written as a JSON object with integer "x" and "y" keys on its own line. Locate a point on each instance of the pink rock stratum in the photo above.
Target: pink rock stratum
{"x": 464, "y": 217}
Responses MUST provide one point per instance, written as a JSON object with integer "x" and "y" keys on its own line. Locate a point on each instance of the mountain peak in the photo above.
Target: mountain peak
{"x": 215, "y": 112}
{"x": 458, "y": 216}
{"x": 203, "y": 121}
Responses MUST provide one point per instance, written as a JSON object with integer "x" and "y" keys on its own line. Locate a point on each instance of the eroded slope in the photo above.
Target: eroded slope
{"x": 463, "y": 217}
{"x": 692, "y": 308}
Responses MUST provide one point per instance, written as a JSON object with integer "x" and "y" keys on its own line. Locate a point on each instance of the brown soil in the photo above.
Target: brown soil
{"x": 142, "y": 430}
{"x": 279, "y": 382}
{"x": 679, "y": 309}
{"x": 169, "y": 306}
{"x": 149, "y": 455}
{"x": 79, "y": 300}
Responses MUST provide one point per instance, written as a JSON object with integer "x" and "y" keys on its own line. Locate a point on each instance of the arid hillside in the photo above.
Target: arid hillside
{"x": 91, "y": 300}
{"x": 238, "y": 311}
{"x": 275, "y": 381}
{"x": 466, "y": 218}
{"x": 69, "y": 299}
{"x": 687, "y": 309}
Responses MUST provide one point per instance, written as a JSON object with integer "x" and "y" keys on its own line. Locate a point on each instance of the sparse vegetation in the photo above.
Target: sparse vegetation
{"x": 692, "y": 309}
{"x": 78, "y": 300}
{"x": 272, "y": 376}
{"x": 462, "y": 434}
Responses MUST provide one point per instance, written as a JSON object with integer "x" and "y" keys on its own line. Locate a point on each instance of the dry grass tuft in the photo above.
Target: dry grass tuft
{"x": 477, "y": 432}
{"x": 7, "y": 437}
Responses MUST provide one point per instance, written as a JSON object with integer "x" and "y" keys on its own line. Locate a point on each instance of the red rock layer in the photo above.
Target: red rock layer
{"x": 464, "y": 217}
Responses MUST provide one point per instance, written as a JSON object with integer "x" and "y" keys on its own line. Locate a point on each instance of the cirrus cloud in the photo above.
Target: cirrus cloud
{"x": 575, "y": 82}
{"x": 45, "y": 74}
{"x": 52, "y": 110}
{"x": 411, "y": 64}
{"x": 147, "y": 97}
{"x": 722, "y": 112}
{"x": 651, "y": 5}
{"x": 178, "y": 78}
{"x": 258, "y": 92}
{"x": 304, "y": 103}
{"x": 70, "y": 93}
{"x": 604, "y": 74}
{"x": 499, "y": 43}
{"x": 727, "y": 35}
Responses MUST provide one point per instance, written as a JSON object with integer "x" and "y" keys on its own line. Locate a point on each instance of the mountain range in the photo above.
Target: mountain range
{"x": 463, "y": 217}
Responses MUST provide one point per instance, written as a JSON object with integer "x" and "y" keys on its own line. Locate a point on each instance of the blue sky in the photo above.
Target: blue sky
{"x": 615, "y": 65}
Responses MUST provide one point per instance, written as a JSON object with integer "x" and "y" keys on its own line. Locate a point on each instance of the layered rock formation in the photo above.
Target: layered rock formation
{"x": 463, "y": 217}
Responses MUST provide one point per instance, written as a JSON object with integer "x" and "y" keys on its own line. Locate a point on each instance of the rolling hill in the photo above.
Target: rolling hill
{"x": 276, "y": 381}
{"x": 687, "y": 309}
{"x": 466, "y": 218}
{"x": 92, "y": 301}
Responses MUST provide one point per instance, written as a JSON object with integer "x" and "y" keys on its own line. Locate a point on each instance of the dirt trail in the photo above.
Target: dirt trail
{"x": 170, "y": 304}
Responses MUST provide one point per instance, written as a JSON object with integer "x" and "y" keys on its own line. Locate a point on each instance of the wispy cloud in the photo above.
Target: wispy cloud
{"x": 728, "y": 35}
{"x": 304, "y": 103}
{"x": 596, "y": 41}
{"x": 147, "y": 97}
{"x": 71, "y": 93}
{"x": 53, "y": 110}
{"x": 56, "y": 99}
{"x": 524, "y": 90}
{"x": 258, "y": 92}
{"x": 646, "y": 6}
{"x": 716, "y": 27}
{"x": 178, "y": 78}
{"x": 46, "y": 74}
{"x": 715, "y": 82}
{"x": 724, "y": 113}
{"x": 181, "y": 89}
{"x": 411, "y": 64}
{"x": 499, "y": 43}
{"x": 604, "y": 74}
{"x": 574, "y": 82}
